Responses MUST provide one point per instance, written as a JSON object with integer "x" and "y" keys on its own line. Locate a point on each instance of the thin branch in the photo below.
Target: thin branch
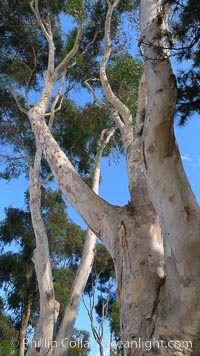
{"x": 114, "y": 112}
{"x": 12, "y": 158}
{"x": 38, "y": 18}
{"x": 67, "y": 90}
{"x": 90, "y": 43}
{"x": 90, "y": 314}
{"x": 105, "y": 140}
{"x": 29, "y": 78}
{"x": 45, "y": 180}
{"x": 13, "y": 92}
{"x": 72, "y": 53}
{"x": 47, "y": 33}
{"x": 93, "y": 92}
{"x": 117, "y": 119}
{"x": 86, "y": 47}
{"x": 111, "y": 97}
{"x": 22, "y": 146}
{"x": 52, "y": 113}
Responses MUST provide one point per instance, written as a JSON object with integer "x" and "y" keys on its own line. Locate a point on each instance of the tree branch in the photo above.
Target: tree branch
{"x": 124, "y": 124}
{"x": 72, "y": 53}
{"x": 13, "y": 92}
{"x": 96, "y": 99}
{"x": 36, "y": 13}
{"x": 92, "y": 208}
{"x": 52, "y": 112}
{"x": 29, "y": 79}
{"x": 22, "y": 146}
{"x": 86, "y": 47}
{"x": 47, "y": 33}
{"x": 12, "y": 158}
{"x": 113, "y": 111}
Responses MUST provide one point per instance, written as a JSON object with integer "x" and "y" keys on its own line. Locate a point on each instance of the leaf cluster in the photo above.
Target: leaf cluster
{"x": 124, "y": 73}
{"x": 185, "y": 27}
{"x": 7, "y": 333}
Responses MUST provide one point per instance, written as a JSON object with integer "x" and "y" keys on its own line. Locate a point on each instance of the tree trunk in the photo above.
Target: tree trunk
{"x": 24, "y": 324}
{"x": 46, "y": 324}
{"x": 177, "y": 315}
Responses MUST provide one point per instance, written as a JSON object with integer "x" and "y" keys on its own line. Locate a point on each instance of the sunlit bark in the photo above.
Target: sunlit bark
{"x": 177, "y": 315}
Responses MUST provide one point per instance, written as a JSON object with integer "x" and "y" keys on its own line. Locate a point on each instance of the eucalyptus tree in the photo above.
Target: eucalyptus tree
{"x": 157, "y": 273}
{"x": 8, "y": 334}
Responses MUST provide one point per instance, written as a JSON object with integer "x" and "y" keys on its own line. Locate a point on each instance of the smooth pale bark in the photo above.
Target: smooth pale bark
{"x": 46, "y": 324}
{"x": 178, "y": 312}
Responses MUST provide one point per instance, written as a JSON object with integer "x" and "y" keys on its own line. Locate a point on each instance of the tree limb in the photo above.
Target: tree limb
{"x": 96, "y": 99}
{"x": 17, "y": 101}
{"x": 36, "y": 13}
{"x": 61, "y": 66}
{"x": 125, "y": 122}
{"x": 29, "y": 79}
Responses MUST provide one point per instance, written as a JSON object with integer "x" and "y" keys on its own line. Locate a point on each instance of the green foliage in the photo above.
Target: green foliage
{"x": 188, "y": 95}
{"x": 75, "y": 9}
{"x": 185, "y": 27}
{"x": 17, "y": 270}
{"x": 114, "y": 319}
{"x": 124, "y": 74}
{"x": 79, "y": 344}
{"x": 81, "y": 129}
{"x": 6, "y": 348}
{"x": 102, "y": 269}
{"x": 7, "y": 334}
{"x": 65, "y": 237}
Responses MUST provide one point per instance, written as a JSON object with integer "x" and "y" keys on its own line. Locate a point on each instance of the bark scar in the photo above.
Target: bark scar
{"x": 156, "y": 303}
{"x": 144, "y": 157}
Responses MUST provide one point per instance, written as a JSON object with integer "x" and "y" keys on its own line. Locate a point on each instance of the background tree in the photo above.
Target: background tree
{"x": 8, "y": 334}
